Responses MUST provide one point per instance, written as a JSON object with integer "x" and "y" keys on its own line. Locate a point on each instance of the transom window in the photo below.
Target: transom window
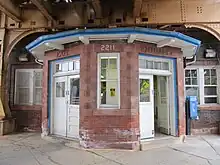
{"x": 202, "y": 83}
{"x": 108, "y": 83}
{"x": 150, "y": 64}
{"x": 66, "y": 66}
{"x": 28, "y": 86}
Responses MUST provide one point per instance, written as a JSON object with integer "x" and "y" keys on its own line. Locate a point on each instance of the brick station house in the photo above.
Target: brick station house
{"x": 110, "y": 88}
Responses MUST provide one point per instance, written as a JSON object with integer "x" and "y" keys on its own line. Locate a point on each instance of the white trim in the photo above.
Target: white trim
{"x": 170, "y": 79}
{"x": 155, "y": 72}
{"x": 201, "y": 83}
{"x": 59, "y": 74}
{"x": 54, "y": 45}
{"x": 101, "y": 56}
{"x": 131, "y": 38}
{"x": 165, "y": 42}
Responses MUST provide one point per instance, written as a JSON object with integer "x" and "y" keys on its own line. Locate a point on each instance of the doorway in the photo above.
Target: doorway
{"x": 154, "y": 106}
{"x": 65, "y": 113}
{"x": 161, "y": 106}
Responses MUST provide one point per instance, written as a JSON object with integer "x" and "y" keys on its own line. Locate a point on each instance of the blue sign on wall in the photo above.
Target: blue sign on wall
{"x": 193, "y": 106}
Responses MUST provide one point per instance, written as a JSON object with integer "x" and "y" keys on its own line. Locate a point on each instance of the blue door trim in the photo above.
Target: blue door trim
{"x": 175, "y": 88}
{"x": 50, "y": 86}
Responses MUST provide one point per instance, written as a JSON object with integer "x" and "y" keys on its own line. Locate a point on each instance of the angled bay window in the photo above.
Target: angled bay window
{"x": 108, "y": 80}
{"x": 28, "y": 86}
{"x": 201, "y": 82}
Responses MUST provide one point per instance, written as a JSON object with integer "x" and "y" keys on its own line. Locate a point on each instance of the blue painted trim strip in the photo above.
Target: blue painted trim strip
{"x": 176, "y": 95}
{"x": 50, "y": 86}
{"x": 113, "y": 31}
{"x": 175, "y": 87}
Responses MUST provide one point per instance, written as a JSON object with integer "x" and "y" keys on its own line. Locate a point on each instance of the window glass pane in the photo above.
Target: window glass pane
{"x": 157, "y": 65}
{"x": 187, "y": 81}
{"x": 144, "y": 90}
{"x": 194, "y": 81}
{"x": 163, "y": 91}
{"x": 192, "y": 91}
{"x": 23, "y": 79}
{"x": 165, "y": 65}
{"x": 142, "y": 64}
{"x": 149, "y": 64}
{"x": 193, "y": 73}
{"x": 38, "y": 96}
{"x": 187, "y": 73}
{"x": 103, "y": 92}
{"x": 210, "y": 99}
{"x": 206, "y": 72}
{"x": 74, "y": 91}
{"x": 210, "y": 90}
{"x": 213, "y": 72}
{"x": 213, "y": 80}
{"x": 112, "y": 63}
{"x": 112, "y": 74}
{"x": 58, "y": 67}
{"x": 71, "y": 66}
{"x": 109, "y": 93}
{"x": 207, "y": 80}
{"x": 104, "y": 63}
{"x": 23, "y": 95}
{"x": 65, "y": 66}
{"x": 38, "y": 79}
{"x": 60, "y": 89}
{"x": 103, "y": 74}
{"x": 23, "y": 87}
{"x": 77, "y": 65}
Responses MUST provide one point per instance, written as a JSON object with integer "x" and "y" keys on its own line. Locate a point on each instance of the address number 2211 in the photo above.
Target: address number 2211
{"x": 107, "y": 47}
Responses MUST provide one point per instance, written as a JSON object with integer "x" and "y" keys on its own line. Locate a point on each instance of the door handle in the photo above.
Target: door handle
{"x": 67, "y": 92}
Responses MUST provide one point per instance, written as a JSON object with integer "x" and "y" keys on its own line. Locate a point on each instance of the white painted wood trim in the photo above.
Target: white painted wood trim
{"x": 117, "y": 55}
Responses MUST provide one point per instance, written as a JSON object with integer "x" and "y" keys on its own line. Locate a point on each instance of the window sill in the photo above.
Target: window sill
{"x": 26, "y": 107}
{"x": 110, "y": 112}
{"x": 209, "y": 107}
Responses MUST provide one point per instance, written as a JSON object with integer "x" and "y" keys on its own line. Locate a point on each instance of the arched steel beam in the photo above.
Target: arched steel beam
{"x": 206, "y": 28}
{"x": 5, "y": 74}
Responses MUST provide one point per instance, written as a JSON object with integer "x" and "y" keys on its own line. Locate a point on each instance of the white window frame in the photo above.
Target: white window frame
{"x": 68, "y": 72}
{"x": 201, "y": 82}
{"x": 31, "y": 86}
{"x": 113, "y": 55}
{"x": 211, "y": 96}
{"x": 191, "y": 85}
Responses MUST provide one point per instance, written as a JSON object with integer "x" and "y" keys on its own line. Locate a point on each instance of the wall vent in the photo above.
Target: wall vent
{"x": 91, "y": 21}
{"x": 61, "y": 22}
{"x": 144, "y": 19}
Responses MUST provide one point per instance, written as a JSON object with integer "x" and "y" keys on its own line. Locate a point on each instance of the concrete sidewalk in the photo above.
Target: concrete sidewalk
{"x": 30, "y": 149}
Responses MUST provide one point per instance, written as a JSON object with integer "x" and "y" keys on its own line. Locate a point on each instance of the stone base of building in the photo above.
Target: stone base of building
{"x": 110, "y": 145}
{"x": 7, "y": 126}
{"x": 205, "y": 131}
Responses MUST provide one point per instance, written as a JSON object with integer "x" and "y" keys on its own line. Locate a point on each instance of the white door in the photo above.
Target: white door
{"x": 59, "y": 112}
{"x": 73, "y": 107}
{"x": 163, "y": 104}
{"x": 146, "y": 106}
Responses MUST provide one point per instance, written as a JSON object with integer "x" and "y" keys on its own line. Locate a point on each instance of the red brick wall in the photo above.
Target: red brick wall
{"x": 100, "y": 128}
{"x": 28, "y": 118}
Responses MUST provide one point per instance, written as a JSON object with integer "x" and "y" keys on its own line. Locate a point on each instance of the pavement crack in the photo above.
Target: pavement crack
{"x": 210, "y": 145}
{"x": 201, "y": 157}
{"x": 32, "y": 154}
{"x": 53, "y": 161}
{"x": 106, "y": 158}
